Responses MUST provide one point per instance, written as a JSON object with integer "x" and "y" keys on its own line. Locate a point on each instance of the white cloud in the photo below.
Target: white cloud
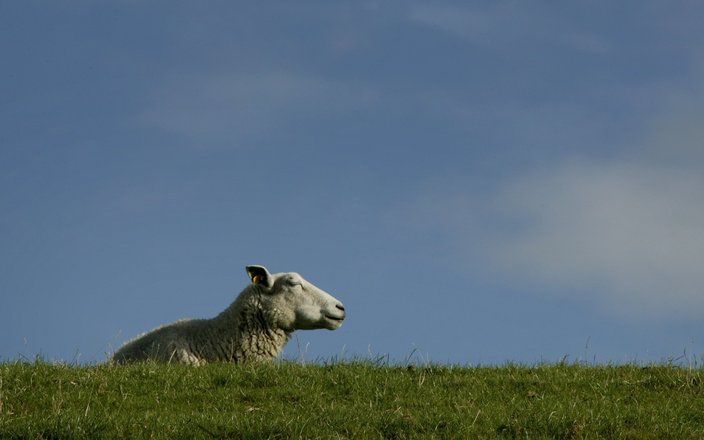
{"x": 506, "y": 23}
{"x": 234, "y": 108}
{"x": 462, "y": 22}
{"x": 628, "y": 233}
{"x": 633, "y": 232}
{"x": 677, "y": 136}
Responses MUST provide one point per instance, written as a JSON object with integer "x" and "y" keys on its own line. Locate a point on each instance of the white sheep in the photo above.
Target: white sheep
{"x": 255, "y": 327}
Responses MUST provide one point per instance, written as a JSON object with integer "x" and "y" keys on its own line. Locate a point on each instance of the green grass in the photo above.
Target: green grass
{"x": 350, "y": 400}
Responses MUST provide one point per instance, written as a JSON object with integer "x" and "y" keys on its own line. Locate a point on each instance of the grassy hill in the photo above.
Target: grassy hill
{"x": 351, "y": 400}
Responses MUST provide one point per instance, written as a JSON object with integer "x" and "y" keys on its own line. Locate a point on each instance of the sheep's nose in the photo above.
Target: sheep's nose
{"x": 340, "y": 306}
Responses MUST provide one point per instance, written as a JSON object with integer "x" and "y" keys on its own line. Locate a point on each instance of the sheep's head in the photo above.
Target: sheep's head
{"x": 292, "y": 303}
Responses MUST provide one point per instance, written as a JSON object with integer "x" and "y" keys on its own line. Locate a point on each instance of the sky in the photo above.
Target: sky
{"x": 478, "y": 182}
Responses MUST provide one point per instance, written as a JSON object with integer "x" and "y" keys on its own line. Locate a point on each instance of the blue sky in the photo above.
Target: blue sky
{"x": 478, "y": 182}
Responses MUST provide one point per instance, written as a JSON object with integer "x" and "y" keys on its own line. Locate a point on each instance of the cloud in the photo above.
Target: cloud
{"x": 629, "y": 234}
{"x": 506, "y": 23}
{"x": 624, "y": 231}
{"x": 676, "y": 135}
{"x": 238, "y": 108}
{"x": 633, "y": 232}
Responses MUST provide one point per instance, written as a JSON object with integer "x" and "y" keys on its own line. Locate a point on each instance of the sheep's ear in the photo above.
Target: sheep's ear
{"x": 259, "y": 275}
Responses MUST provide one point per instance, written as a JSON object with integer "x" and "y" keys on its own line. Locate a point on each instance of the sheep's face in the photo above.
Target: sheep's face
{"x": 292, "y": 303}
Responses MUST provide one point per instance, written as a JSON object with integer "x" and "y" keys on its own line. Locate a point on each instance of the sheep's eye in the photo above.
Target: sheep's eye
{"x": 293, "y": 283}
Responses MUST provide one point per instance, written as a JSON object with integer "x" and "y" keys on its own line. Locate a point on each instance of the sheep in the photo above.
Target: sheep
{"x": 255, "y": 327}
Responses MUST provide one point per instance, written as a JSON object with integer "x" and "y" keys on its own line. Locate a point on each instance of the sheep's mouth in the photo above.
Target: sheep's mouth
{"x": 334, "y": 318}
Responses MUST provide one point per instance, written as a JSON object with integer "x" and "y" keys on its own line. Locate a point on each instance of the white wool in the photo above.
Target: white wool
{"x": 255, "y": 327}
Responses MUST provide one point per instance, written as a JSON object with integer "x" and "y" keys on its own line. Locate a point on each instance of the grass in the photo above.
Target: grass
{"x": 350, "y": 400}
